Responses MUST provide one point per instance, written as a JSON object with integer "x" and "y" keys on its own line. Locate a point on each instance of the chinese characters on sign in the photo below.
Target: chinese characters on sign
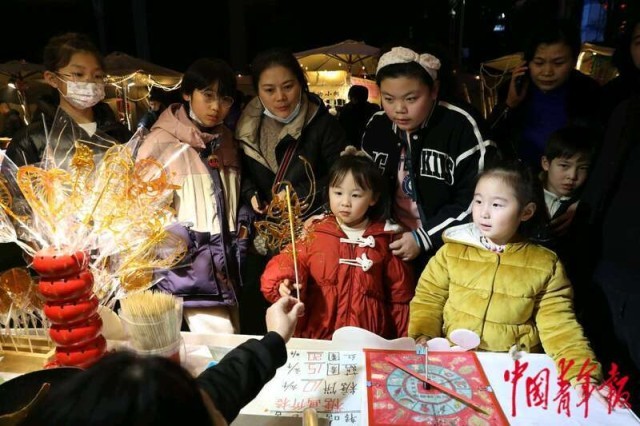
{"x": 536, "y": 387}
{"x": 328, "y": 381}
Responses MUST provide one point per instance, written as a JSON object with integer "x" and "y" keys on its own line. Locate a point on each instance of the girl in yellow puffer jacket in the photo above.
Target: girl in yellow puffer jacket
{"x": 488, "y": 278}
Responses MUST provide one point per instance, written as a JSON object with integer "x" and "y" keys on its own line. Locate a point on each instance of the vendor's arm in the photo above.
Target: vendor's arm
{"x": 241, "y": 374}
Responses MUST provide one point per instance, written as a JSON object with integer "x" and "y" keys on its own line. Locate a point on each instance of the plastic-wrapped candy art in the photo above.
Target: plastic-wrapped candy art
{"x": 93, "y": 220}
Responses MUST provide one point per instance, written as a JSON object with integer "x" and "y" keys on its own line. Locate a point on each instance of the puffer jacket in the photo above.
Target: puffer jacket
{"x": 209, "y": 275}
{"x": 320, "y": 142}
{"x": 372, "y": 295}
{"x": 521, "y": 296}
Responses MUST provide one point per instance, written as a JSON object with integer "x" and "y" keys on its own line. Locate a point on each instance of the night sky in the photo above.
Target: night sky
{"x": 190, "y": 29}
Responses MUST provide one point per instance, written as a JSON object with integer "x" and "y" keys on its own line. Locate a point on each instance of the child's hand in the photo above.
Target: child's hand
{"x": 422, "y": 340}
{"x": 600, "y": 394}
{"x": 560, "y": 225}
{"x": 406, "y": 247}
{"x": 286, "y": 287}
{"x": 258, "y": 206}
{"x": 516, "y": 94}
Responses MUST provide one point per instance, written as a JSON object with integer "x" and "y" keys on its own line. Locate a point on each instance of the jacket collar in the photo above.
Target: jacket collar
{"x": 330, "y": 226}
{"x": 249, "y": 124}
{"x": 175, "y": 121}
{"x": 468, "y": 234}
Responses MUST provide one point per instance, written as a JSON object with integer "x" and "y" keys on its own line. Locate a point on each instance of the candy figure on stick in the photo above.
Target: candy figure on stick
{"x": 284, "y": 214}
{"x": 101, "y": 216}
{"x": 343, "y": 267}
{"x": 284, "y": 222}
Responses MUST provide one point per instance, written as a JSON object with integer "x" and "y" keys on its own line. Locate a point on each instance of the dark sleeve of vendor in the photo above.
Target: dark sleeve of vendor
{"x": 241, "y": 374}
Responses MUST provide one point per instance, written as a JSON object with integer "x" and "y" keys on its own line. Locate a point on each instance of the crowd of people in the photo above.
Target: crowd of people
{"x": 423, "y": 216}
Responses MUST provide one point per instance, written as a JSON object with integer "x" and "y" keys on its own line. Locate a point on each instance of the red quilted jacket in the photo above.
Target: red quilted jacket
{"x": 358, "y": 283}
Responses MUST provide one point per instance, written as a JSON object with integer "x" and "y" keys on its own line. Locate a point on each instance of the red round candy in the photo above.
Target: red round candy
{"x": 71, "y": 311}
{"x": 81, "y": 355}
{"x": 50, "y": 262}
{"x": 58, "y": 289}
{"x": 78, "y": 333}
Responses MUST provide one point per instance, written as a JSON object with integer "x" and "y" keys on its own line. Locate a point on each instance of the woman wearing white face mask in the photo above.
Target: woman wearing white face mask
{"x": 285, "y": 116}
{"x": 283, "y": 123}
{"x": 75, "y": 69}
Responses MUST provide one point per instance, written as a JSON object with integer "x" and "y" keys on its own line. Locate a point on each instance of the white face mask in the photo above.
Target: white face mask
{"x": 83, "y": 95}
{"x": 194, "y": 117}
{"x": 288, "y": 119}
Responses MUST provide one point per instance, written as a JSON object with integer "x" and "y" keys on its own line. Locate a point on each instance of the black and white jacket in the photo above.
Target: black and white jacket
{"x": 447, "y": 154}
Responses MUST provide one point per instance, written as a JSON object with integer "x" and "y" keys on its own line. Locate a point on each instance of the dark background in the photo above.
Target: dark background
{"x": 235, "y": 30}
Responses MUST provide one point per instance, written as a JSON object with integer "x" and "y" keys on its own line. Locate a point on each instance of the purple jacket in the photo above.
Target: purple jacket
{"x": 208, "y": 275}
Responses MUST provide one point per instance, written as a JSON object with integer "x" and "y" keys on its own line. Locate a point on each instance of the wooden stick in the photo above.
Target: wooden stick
{"x": 293, "y": 242}
{"x": 437, "y": 385}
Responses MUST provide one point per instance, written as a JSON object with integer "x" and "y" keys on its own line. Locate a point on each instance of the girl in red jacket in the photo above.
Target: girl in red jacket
{"x": 348, "y": 275}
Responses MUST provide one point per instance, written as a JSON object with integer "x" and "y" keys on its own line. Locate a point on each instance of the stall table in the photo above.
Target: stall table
{"x": 200, "y": 349}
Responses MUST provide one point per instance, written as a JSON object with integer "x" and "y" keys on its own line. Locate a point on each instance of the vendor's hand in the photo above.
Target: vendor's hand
{"x": 282, "y": 316}
{"x": 406, "y": 247}
{"x": 257, "y": 206}
{"x": 286, "y": 287}
{"x": 515, "y": 97}
{"x": 560, "y": 225}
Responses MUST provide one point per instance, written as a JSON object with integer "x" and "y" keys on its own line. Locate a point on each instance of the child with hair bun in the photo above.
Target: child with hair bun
{"x": 347, "y": 273}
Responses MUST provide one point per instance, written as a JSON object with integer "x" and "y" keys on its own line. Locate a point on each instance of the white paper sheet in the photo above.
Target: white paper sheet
{"x": 329, "y": 381}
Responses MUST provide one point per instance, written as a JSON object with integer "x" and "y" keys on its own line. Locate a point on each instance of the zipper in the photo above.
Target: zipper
{"x": 493, "y": 282}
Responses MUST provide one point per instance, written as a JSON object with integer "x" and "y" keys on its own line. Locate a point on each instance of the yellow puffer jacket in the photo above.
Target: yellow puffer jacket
{"x": 521, "y": 296}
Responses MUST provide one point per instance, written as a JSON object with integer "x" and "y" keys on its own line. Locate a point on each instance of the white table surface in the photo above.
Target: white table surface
{"x": 494, "y": 365}
{"x": 197, "y": 353}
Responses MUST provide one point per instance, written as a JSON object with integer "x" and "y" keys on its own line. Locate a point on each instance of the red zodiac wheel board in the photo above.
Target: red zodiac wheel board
{"x": 396, "y": 397}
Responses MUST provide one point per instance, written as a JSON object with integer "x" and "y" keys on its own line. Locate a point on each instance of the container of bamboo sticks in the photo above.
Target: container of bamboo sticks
{"x": 152, "y": 322}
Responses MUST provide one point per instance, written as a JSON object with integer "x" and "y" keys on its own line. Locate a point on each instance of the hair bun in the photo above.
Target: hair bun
{"x": 352, "y": 150}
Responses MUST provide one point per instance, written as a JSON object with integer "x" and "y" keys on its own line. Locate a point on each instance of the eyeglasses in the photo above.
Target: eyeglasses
{"x": 80, "y": 78}
{"x": 211, "y": 97}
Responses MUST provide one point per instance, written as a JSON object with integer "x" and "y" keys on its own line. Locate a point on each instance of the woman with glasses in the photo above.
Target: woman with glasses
{"x": 75, "y": 69}
{"x": 202, "y": 158}
{"x": 279, "y": 127}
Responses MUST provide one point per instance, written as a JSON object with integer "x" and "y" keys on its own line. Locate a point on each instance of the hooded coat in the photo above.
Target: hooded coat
{"x": 519, "y": 297}
{"x": 208, "y": 276}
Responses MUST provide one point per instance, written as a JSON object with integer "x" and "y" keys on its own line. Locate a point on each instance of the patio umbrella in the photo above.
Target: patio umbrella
{"x": 20, "y": 69}
{"x": 32, "y": 89}
{"x": 20, "y": 83}
{"x": 120, "y": 64}
{"x": 348, "y": 55}
{"x": 133, "y": 77}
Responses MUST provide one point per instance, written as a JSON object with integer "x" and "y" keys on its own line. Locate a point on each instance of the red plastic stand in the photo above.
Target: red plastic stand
{"x": 70, "y": 305}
